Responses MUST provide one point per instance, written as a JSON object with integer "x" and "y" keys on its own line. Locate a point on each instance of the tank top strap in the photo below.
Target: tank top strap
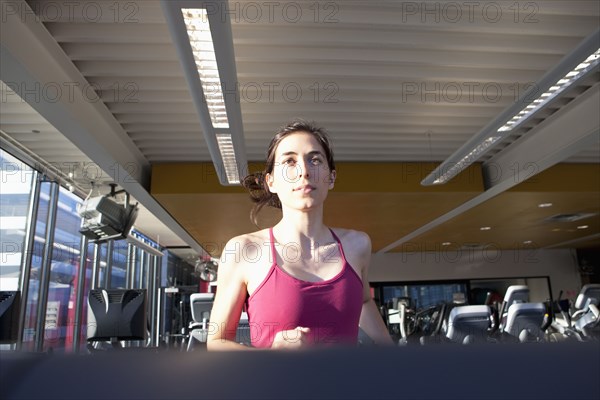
{"x": 272, "y": 243}
{"x": 339, "y": 246}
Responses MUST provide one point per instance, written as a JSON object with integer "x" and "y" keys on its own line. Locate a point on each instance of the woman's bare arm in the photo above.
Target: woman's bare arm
{"x": 370, "y": 319}
{"x": 229, "y": 300}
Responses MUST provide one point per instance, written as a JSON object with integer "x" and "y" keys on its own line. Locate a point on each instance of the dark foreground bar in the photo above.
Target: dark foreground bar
{"x": 525, "y": 371}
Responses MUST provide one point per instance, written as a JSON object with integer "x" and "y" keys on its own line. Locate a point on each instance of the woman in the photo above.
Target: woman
{"x": 303, "y": 283}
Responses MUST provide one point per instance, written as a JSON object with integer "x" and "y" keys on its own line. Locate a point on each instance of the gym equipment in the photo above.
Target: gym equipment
{"x": 585, "y": 319}
{"x": 519, "y": 318}
{"x": 583, "y": 324}
{"x": 469, "y": 324}
{"x": 116, "y": 315}
{"x": 201, "y": 305}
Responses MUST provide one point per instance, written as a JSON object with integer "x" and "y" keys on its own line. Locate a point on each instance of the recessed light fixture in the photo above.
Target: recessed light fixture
{"x": 544, "y": 205}
{"x": 485, "y": 228}
{"x": 446, "y": 244}
{"x": 556, "y": 230}
{"x": 569, "y": 217}
{"x": 582, "y": 227}
{"x": 527, "y": 242}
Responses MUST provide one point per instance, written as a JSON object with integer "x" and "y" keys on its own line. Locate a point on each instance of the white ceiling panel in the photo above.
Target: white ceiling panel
{"x": 390, "y": 80}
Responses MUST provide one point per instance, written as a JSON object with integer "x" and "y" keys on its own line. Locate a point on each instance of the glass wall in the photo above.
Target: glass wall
{"x": 181, "y": 277}
{"x": 15, "y": 194}
{"x": 119, "y": 265}
{"x": 46, "y": 268}
{"x": 62, "y": 226}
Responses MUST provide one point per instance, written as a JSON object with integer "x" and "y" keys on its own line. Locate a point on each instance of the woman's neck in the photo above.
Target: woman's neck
{"x": 303, "y": 227}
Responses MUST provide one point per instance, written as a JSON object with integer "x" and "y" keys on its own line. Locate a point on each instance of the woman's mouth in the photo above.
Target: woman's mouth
{"x": 304, "y": 189}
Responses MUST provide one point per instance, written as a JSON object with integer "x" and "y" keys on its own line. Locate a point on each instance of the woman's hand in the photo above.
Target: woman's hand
{"x": 291, "y": 339}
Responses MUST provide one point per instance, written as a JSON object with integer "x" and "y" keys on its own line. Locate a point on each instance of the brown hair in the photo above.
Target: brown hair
{"x": 255, "y": 182}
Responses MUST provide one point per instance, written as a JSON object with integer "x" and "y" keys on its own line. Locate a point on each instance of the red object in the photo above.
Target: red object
{"x": 203, "y": 287}
{"x": 330, "y": 308}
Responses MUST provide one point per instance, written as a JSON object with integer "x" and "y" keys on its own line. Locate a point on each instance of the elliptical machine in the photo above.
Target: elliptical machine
{"x": 587, "y": 316}
{"x": 459, "y": 323}
{"x": 584, "y": 323}
{"x": 561, "y": 329}
{"x": 518, "y": 318}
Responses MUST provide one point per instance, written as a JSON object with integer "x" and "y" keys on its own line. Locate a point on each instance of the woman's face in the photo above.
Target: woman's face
{"x": 301, "y": 177}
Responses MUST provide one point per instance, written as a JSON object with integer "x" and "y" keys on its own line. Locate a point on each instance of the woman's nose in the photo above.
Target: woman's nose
{"x": 303, "y": 169}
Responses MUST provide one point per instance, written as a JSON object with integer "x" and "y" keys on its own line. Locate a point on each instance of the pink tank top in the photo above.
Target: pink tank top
{"x": 330, "y": 308}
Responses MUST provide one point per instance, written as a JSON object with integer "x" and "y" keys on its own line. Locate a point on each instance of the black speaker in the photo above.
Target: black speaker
{"x": 10, "y": 303}
{"x": 588, "y": 261}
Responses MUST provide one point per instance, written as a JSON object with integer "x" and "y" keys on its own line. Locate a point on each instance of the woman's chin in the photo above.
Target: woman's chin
{"x": 306, "y": 205}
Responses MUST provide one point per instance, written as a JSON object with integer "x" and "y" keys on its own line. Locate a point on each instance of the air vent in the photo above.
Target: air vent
{"x": 115, "y": 296}
{"x": 131, "y": 295}
{"x": 97, "y": 295}
{"x": 568, "y": 217}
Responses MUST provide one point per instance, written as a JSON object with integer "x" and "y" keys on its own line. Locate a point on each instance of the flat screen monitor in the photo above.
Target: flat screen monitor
{"x": 116, "y": 314}
{"x": 10, "y": 302}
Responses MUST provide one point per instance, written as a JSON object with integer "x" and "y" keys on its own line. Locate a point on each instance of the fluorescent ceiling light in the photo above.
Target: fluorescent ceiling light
{"x": 466, "y": 160}
{"x": 567, "y": 72}
{"x": 228, "y": 156}
{"x": 204, "y": 44}
{"x": 568, "y": 80}
{"x": 198, "y": 30}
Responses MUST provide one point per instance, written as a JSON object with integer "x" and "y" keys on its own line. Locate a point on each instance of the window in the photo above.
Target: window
{"x": 424, "y": 295}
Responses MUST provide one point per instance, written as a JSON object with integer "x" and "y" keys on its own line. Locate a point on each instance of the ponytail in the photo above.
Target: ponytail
{"x": 260, "y": 194}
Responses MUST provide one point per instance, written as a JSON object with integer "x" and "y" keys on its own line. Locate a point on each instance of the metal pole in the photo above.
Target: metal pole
{"x": 109, "y": 263}
{"x": 152, "y": 291}
{"x": 96, "y": 266}
{"x": 28, "y": 247}
{"x": 45, "y": 268}
{"x": 79, "y": 294}
{"x": 148, "y": 269}
{"x": 130, "y": 272}
{"x": 167, "y": 304}
{"x": 134, "y": 269}
{"x": 159, "y": 297}
{"x": 142, "y": 270}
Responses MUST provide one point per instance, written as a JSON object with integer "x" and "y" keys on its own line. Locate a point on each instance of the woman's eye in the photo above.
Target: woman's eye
{"x": 316, "y": 161}
{"x": 289, "y": 161}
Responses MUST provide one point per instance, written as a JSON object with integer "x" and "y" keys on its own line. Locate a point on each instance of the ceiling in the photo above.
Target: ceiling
{"x": 400, "y": 86}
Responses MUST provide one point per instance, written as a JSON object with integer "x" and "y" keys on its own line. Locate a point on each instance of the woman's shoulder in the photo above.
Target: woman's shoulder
{"x": 357, "y": 248}
{"x": 246, "y": 241}
{"x": 353, "y": 238}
